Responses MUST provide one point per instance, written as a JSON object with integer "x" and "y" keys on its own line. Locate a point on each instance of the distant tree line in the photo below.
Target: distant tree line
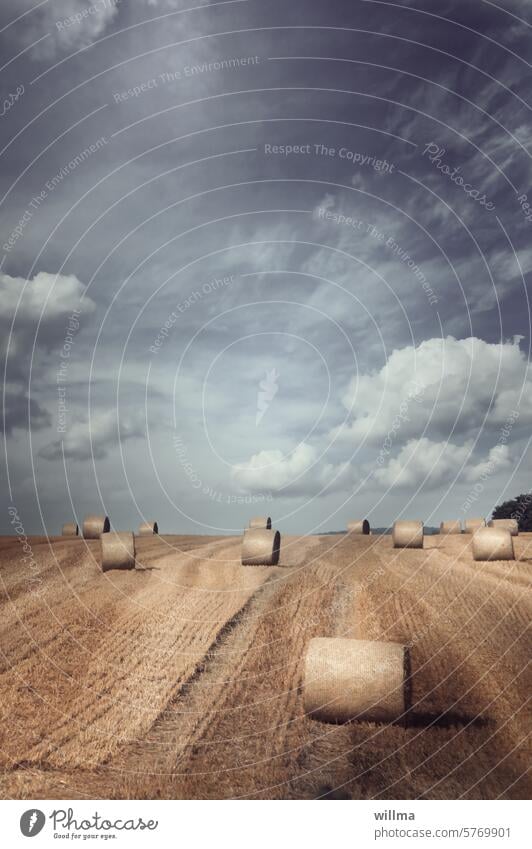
{"x": 519, "y": 508}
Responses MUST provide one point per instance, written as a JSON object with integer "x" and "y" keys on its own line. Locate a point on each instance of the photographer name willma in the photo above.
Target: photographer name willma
{"x": 66, "y": 825}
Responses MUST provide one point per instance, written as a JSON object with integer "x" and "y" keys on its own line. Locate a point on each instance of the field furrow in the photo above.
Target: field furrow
{"x": 90, "y": 698}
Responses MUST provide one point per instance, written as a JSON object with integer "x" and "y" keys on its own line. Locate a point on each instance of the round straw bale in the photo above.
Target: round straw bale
{"x": 93, "y": 526}
{"x": 509, "y": 524}
{"x": 493, "y": 544}
{"x": 118, "y": 550}
{"x": 148, "y": 529}
{"x": 472, "y": 525}
{"x": 354, "y": 679}
{"x": 71, "y": 529}
{"x": 358, "y": 526}
{"x": 260, "y": 547}
{"x": 406, "y": 534}
{"x": 260, "y": 522}
{"x": 453, "y": 527}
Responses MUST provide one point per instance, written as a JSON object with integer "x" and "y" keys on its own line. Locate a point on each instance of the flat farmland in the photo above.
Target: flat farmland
{"x": 183, "y": 678}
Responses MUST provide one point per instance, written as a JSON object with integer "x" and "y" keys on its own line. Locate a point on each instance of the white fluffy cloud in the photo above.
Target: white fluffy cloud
{"x": 303, "y": 472}
{"x": 36, "y": 310}
{"x": 422, "y": 461}
{"x": 424, "y": 409}
{"x": 273, "y": 470}
{"x": 499, "y": 458}
{"x": 442, "y": 385}
{"x": 53, "y": 295}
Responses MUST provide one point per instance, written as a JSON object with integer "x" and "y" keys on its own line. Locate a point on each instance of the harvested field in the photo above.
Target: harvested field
{"x": 183, "y": 679}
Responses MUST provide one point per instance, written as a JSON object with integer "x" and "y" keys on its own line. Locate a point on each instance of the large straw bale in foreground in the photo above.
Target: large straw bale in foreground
{"x": 260, "y": 547}
{"x": 118, "y": 550}
{"x": 407, "y": 534}
{"x": 354, "y": 679}
{"x": 93, "y": 526}
{"x": 493, "y": 544}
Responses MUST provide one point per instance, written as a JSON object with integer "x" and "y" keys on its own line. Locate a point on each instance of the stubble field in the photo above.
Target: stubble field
{"x": 183, "y": 679}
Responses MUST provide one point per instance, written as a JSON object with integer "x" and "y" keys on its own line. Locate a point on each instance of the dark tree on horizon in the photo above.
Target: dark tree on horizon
{"x": 519, "y": 508}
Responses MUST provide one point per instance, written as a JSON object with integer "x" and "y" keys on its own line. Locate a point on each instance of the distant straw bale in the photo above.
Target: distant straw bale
{"x": 93, "y": 526}
{"x": 261, "y": 547}
{"x": 260, "y": 522}
{"x": 472, "y": 525}
{"x": 148, "y": 529}
{"x": 358, "y": 526}
{"x": 407, "y": 534}
{"x": 509, "y": 524}
{"x": 118, "y": 550}
{"x": 493, "y": 544}
{"x": 452, "y": 527}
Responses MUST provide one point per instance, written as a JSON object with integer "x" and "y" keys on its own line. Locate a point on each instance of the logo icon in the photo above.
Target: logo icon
{"x": 32, "y": 822}
{"x": 268, "y": 390}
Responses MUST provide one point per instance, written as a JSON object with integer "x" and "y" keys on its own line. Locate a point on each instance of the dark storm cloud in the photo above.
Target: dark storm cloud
{"x": 355, "y": 172}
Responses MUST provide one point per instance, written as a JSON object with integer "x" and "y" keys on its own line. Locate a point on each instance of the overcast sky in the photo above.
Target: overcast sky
{"x": 264, "y": 257}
